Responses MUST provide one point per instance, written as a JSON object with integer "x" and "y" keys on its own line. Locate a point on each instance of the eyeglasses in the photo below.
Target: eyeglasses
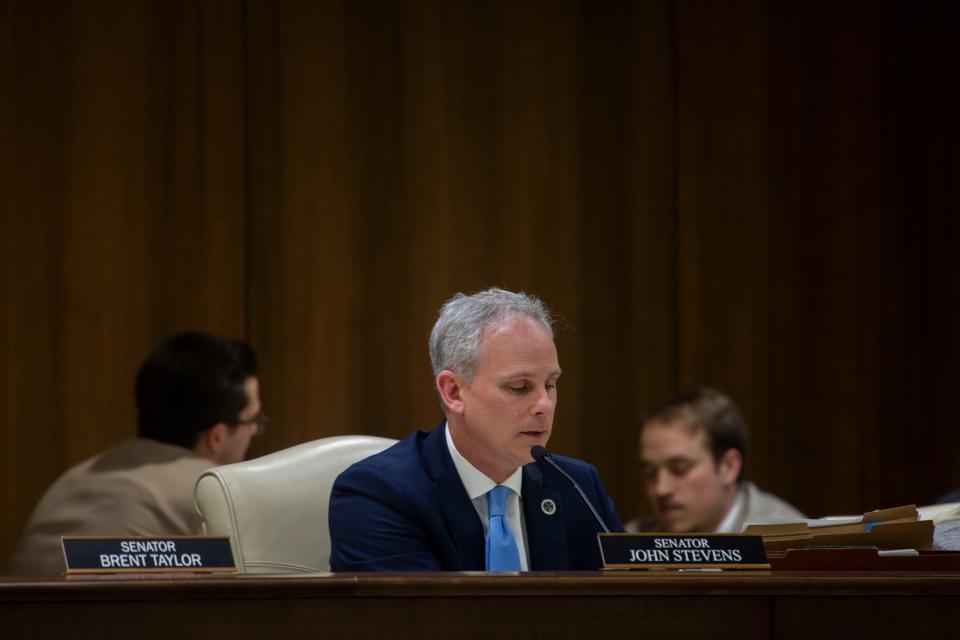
{"x": 261, "y": 420}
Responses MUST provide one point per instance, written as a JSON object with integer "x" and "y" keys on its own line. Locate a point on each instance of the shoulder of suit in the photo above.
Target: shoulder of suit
{"x": 398, "y": 453}
{"x": 569, "y": 463}
{"x": 583, "y": 472}
{"x": 764, "y": 504}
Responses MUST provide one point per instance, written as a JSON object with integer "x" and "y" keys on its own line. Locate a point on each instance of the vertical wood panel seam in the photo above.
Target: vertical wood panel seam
{"x": 248, "y": 177}
{"x": 674, "y": 99}
{"x": 247, "y": 171}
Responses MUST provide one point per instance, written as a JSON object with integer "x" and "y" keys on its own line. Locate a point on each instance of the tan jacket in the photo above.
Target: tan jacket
{"x": 140, "y": 488}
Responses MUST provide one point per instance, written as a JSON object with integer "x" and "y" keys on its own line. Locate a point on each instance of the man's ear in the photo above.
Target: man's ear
{"x": 211, "y": 441}
{"x": 729, "y": 467}
{"x": 450, "y": 389}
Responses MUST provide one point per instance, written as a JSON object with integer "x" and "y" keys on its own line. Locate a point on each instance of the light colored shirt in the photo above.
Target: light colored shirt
{"x": 478, "y": 485}
{"x": 730, "y": 522}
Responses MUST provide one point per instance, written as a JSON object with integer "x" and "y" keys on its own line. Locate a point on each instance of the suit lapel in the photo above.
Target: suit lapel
{"x": 546, "y": 536}
{"x": 461, "y": 518}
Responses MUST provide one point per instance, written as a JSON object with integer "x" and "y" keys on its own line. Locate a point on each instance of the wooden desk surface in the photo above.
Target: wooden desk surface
{"x": 815, "y": 605}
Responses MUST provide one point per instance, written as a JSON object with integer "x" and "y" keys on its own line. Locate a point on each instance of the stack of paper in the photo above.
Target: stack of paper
{"x": 896, "y": 528}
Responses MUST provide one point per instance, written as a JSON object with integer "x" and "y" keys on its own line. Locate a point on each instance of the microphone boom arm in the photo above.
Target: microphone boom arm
{"x": 540, "y": 454}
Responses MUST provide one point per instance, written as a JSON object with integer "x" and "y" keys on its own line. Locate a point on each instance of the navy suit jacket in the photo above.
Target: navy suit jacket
{"x": 406, "y": 509}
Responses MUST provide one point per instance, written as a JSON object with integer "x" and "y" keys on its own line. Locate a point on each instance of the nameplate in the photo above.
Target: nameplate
{"x": 175, "y": 554}
{"x": 682, "y": 551}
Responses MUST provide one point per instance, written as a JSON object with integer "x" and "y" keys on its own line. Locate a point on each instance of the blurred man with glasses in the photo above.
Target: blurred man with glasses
{"x": 198, "y": 406}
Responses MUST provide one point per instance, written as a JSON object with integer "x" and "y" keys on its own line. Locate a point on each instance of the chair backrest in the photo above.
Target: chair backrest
{"x": 274, "y": 508}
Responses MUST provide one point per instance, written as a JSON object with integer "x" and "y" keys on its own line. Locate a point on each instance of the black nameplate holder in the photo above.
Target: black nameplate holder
{"x": 682, "y": 551}
{"x": 133, "y": 554}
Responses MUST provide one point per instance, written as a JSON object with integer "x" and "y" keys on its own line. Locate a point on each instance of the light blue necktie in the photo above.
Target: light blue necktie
{"x": 502, "y": 554}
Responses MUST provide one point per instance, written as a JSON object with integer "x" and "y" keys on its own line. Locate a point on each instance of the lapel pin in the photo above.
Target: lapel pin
{"x": 548, "y": 506}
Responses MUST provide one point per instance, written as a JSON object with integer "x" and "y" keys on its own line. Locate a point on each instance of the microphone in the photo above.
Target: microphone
{"x": 540, "y": 454}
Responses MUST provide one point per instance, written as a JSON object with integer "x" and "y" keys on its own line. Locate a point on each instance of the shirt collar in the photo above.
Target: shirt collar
{"x": 734, "y": 515}
{"x": 475, "y": 481}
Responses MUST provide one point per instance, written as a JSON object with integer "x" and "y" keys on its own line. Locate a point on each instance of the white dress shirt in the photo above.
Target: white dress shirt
{"x": 734, "y": 515}
{"x": 478, "y": 485}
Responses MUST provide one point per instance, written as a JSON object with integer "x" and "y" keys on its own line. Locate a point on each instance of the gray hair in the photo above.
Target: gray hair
{"x": 455, "y": 338}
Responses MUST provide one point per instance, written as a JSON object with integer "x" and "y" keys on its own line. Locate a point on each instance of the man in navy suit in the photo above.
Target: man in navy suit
{"x": 423, "y": 504}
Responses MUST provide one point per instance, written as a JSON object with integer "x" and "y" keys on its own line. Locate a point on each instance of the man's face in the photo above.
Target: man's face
{"x": 508, "y": 406}
{"x": 238, "y": 438}
{"x": 688, "y": 491}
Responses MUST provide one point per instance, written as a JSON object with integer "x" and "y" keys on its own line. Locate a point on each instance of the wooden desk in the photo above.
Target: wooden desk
{"x": 812, "y": 606}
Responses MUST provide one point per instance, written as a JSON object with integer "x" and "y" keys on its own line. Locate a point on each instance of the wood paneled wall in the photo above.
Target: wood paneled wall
{"x": 761, "y": 196}
{"x": 123, "y": 209}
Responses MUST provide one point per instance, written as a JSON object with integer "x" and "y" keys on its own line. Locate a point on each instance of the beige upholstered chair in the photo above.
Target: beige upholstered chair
{"x": 274, "y": 508}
